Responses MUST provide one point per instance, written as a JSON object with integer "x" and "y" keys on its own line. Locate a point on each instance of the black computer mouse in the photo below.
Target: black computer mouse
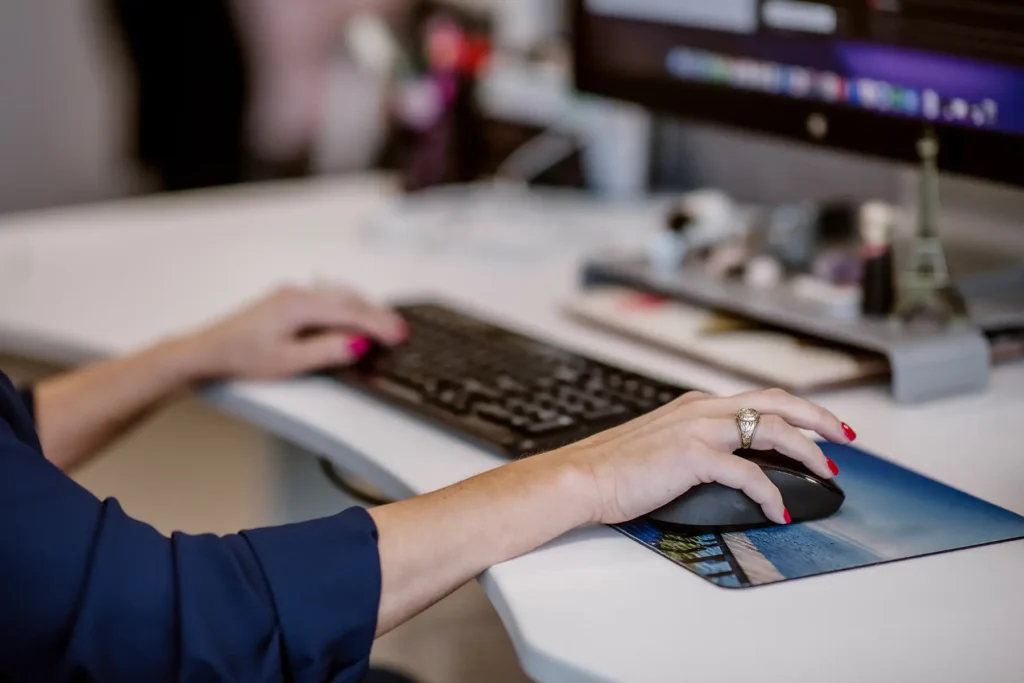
{"x": 713, "y": 507}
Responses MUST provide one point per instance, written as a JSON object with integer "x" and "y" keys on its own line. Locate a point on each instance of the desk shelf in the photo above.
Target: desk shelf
{"x": 925, "y": 364}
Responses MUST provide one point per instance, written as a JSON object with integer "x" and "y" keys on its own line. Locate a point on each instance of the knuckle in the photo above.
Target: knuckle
{"x": 823, "y": 415}
{"x": 703, "y": 425}
{"x": 296, "y": 303}
{"x": 705, "y": 464}
{"x": 748, "y": 466}
{"x": 288, "y": 298}
{"x": 751, "y": 471}
{"x": 808, "y": 408}
{"x": 701, "y": 451}
{"x": 763, "y": 486}
{"x": 772, "y": 425}
{"x": 289, "y": 357}
{"x": 776, "y": 395}
{"x": 351, "y": 296}
{"x": 345, "y": 299}
{"x": 287, "y": 292}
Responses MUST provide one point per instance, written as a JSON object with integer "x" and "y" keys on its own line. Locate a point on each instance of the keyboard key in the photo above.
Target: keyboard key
{"x": 495, "y": 413}
{"x": 517, "y": 394}
{"x": 552, "y": 425}
{"x": 601, "y": 414}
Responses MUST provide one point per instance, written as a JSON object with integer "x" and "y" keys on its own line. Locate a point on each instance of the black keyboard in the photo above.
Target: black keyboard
{"x": 510, "y": 393}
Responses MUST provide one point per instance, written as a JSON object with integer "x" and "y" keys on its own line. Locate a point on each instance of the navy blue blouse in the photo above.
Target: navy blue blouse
{"x": 89, "y": 594}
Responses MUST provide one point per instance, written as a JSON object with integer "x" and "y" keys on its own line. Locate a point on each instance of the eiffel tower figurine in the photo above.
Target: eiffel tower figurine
{"x": 926, "y": 292}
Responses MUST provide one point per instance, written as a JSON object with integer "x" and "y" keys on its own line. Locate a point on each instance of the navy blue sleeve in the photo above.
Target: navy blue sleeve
{"x": 87, "y": 593}
{"x": 28, "y": 397}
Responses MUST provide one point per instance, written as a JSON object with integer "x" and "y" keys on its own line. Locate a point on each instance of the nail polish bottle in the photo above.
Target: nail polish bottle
{"x": 877, "y": 281}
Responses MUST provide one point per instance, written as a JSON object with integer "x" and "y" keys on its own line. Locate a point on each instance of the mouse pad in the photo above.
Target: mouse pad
{"x": 890, "y": 514}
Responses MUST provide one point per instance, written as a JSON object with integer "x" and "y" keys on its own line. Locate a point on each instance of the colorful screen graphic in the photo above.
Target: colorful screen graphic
{"x": 890, "y": 514}
{"x": 956, "y": 63}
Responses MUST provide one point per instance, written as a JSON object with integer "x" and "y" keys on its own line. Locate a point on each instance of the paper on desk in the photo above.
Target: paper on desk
{"x": 767, "y": 356}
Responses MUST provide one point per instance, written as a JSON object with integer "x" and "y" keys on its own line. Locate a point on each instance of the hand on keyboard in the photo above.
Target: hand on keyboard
{"x": 516, "y": 395}
{"x": 294, "y": 331}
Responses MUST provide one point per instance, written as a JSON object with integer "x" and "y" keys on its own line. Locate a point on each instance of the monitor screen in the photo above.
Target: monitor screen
{"x": 862, "y": 74}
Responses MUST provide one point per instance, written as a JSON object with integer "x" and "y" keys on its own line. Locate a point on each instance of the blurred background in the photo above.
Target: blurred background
{"x": 114, "y": 97}
{"x": 101, "y": 99}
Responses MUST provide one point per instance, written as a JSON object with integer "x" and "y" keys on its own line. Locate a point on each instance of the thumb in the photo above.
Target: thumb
{"x": 325, "y": 351}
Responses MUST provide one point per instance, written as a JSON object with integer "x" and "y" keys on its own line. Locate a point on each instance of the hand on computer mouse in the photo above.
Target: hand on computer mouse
{"x": 271, "y": 339}
{"x": 645, "y": 464}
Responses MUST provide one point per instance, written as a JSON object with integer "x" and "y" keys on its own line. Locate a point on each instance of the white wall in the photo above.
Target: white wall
{"x": 62, "y": 105}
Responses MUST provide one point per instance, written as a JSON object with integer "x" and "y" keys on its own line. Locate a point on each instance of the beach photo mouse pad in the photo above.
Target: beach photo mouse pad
{"x": 890, "y": 514}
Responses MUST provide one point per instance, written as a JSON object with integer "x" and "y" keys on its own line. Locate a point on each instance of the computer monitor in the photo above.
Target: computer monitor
{"x": 861, "y": 75}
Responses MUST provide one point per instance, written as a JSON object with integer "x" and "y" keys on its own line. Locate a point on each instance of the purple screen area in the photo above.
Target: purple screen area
{"x": 948, "y": 75}
{"x": 644, "y": 51}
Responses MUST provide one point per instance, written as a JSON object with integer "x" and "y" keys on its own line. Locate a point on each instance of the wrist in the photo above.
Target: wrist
{"x": 573, "y": 475}
{"x": 190, "y": 360}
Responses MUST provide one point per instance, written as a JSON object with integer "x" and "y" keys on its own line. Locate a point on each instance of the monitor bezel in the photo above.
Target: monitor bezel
{"x": 984, "y": 154}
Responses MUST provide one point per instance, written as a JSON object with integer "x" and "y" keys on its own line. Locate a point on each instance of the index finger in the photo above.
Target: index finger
{"x": 797, "y": 411}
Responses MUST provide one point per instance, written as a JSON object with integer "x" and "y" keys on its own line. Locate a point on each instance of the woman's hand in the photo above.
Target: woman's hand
{"x": 643, "y": 465}
{"x": 288, "y": 333}
{"x": 294, "y": 331}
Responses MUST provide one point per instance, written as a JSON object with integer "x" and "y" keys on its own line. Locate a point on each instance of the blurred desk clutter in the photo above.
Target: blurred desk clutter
{"x": 789, "y": 274}
{"x": 469, "y": 102}
{"x": 505, "y": 221}
{"x": 798, "y": 296}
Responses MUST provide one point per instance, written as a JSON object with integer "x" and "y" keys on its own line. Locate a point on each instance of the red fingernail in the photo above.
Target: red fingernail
{"x": 789, "y": 520}
{"x": 359, "y": 346}
{"x": 850, "y": 434}
{"x": 832, "y": 466}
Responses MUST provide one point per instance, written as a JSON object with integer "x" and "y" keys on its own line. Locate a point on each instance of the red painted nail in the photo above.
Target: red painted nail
{"x": 789, "y": 520}
{"x": 832, "y": 466}
{"x": 850, "y": 434}
{"x": 359, "y": 346}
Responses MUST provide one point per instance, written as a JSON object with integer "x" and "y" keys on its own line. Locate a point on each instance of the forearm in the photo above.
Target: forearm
{"x": 432, "y": 545}
{"x": 80, "y": 412}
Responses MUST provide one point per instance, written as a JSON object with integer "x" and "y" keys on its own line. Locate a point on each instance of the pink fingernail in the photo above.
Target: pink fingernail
{"x": 359, "y": 346}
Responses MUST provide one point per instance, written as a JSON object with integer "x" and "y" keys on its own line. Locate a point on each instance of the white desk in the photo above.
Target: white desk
{"x": 594, "y": 606}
